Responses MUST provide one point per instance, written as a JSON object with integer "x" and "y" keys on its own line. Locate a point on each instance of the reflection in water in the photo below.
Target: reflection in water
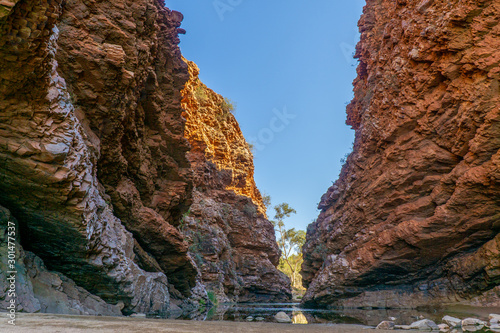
{"x": 299, "y": 318}
{"x": 370, "y": 317}
{"x": 266, "y": 312}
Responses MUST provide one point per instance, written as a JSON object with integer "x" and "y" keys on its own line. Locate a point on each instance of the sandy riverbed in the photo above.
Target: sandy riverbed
{"x": 46, "y": 323}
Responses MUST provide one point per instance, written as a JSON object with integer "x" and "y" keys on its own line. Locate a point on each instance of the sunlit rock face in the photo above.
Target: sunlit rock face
{"x": 231, "y": 240}
{"x": 414, "y": 217}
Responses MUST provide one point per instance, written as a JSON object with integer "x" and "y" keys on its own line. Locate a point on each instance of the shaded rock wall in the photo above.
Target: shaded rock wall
{"x": 231, "y": 240}
{"x": 92, "y": 147}
{"x": 125, "y": 73}
{"x": 39, "y": 290}
{"x": 414, "y": 217}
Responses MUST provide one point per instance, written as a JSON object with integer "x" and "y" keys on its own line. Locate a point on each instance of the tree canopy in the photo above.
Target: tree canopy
{"x": 290, "y": 242}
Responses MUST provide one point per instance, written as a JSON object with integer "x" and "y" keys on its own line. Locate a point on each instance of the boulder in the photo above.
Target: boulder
{"x": 282, "y": 317}
{"x": 472, "y": 322}
{"x": 386, "y": 325}
{"x": 494, "y": 318}
{"x": 424, "y": 325}
{"x": 452, "y": 321}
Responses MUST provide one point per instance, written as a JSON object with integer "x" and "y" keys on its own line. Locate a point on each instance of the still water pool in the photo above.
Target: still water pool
{"x": 370, "y": 317}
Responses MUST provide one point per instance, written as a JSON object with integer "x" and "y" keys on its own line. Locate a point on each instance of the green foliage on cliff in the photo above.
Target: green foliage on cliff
{"x": 228, "y": 106}
{"x": 266, "y": 200}
{"x": 200, "y": 94}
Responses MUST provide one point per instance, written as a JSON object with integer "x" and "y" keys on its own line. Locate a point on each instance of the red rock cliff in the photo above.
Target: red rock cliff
{"x": 92, "y": 154}
{"x": 231, "y": 240}
{"x": 98, "y": 176}
{"x": 414, "y": 216}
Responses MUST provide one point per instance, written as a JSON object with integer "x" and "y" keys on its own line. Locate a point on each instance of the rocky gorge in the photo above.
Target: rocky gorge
{"x": 413, "y": 219}
{"x": 108, "y": 184}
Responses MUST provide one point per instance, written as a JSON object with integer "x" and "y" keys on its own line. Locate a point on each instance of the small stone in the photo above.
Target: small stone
{"x": 424, "y": 5}
{"x": 282, "y": 317}
{"x": 472, "y": 322}
{"x": 392, "y": 318}
{"x": 386, "y": 325}
{"x": 424, "y": 325}
{"x": 174, "y": 312}
{"x": 259, "y": 319}
{"x": 402, "y": 327}
{"x": 452, "y": 321}
{"x": 249, "y": 318}
{"x": 444, "y": 327}
{"x": 138, "y": 315}
{"x": 494, "y": 318}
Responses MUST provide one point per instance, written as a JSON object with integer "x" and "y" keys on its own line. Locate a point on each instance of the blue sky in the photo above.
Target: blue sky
{"x": 288, "y": 68}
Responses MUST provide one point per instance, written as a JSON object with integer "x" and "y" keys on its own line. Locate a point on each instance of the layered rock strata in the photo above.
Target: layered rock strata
{"x": 125, "y": 73}
{"x": 230, "y": 238}
{"x": 92, "y": 152}
{"x": 414, "y": 217}
{"x": 94, "y": 166}
{"x": 39, "y": 290}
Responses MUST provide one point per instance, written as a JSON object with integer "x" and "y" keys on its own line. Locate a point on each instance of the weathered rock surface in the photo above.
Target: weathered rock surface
{"x": 125, "y": 73}
{"x": 414, "y": 217}
{"x": 49, "y": 152}
{"x": 94, "y": 165}
{"x": 6, "y": 7}
{"x": 39, "y": 290}
{"x": 231, "y": 240}
{"x": 92, "y": 146}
